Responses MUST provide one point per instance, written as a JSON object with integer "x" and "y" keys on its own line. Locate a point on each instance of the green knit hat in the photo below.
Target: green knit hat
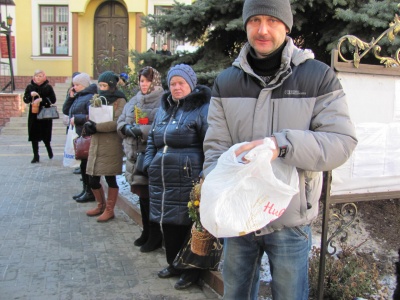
{"x": 279, "y": 9}
{"x": 110, "y": 78}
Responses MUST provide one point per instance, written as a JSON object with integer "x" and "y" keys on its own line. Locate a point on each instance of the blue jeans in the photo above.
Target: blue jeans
{"x": 287, "y": 252}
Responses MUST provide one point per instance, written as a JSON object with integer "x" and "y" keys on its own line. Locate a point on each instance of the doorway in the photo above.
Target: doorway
{"x": 110, "y": 38}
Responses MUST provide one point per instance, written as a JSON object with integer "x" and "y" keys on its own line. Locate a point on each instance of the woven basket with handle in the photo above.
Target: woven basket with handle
{"x": 202, "y": 242}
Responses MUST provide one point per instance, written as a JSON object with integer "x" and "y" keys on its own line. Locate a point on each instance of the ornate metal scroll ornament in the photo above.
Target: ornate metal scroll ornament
{"x": 343, "y": 219}
{"x": 359, "y": 45}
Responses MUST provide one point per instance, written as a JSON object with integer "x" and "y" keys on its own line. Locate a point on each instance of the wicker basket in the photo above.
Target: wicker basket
{"x": 202, "y": 242}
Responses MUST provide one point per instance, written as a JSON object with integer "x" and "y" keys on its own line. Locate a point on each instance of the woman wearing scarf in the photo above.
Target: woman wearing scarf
{"x": 146, "y": 102}
{"x": 40, "y": 93}
{"x": 105, "y": 152}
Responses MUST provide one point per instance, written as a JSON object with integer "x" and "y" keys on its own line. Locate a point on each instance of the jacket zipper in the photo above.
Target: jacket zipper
{"x": 165, "y": 150}
{"x": 272, "y": 118}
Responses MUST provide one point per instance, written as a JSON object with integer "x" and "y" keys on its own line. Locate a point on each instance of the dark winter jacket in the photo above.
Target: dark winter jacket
{"x": 80, "y": 107}
{"x": 39, "y": 130}
{"x": 67, "y": 103}
{"x": 174, "y": 154}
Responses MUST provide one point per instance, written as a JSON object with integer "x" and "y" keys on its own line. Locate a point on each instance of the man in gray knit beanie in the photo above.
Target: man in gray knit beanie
{"x": 279, "y": 9}
{"x": 274, "y": 93}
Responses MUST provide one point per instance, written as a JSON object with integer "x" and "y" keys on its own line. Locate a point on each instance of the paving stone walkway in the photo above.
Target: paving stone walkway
{"x": 50, "y": 249}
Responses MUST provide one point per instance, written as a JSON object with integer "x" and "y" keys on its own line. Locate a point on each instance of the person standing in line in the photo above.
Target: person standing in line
{"x": 69, "y": 99}
{"x": 78, "y": 115}
{"x": 174, "y": 160}
{"x": 105, "y": 152}
{"x": 40, "y": 93}
{"x": 274, "y": 89}
{"x": 164, "y": 50}
{"x": 146, "y": 101}
{"x": 123, "y": 80}
{"x": 153, "y": 48}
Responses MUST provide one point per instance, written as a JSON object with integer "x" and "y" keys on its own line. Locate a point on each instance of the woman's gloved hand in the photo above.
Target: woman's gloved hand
{"x": 132, "y": 131}
{"x": 90, "y": 128}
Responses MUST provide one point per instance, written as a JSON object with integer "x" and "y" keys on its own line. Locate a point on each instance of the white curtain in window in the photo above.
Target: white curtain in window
{"x": 47, "y": 39}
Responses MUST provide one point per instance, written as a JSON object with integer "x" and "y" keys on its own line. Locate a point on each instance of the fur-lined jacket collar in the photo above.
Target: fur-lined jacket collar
{"x": 199, "y": 96}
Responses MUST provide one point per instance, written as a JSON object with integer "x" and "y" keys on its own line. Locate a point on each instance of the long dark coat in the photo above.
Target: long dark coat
{"x": 39, "y": 130}
{"x": 174, "y": 154}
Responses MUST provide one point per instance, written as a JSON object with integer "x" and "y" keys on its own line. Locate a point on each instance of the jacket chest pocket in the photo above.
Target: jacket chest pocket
{"x": 293, "y": 113}
{"x": 187, "y": 168}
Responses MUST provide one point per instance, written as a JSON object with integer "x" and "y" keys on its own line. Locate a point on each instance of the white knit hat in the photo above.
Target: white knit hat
{"x": 82, "y": 79}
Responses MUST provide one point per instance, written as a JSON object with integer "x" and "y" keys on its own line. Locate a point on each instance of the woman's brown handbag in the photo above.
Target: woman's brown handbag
{"x": 81, "y": 146}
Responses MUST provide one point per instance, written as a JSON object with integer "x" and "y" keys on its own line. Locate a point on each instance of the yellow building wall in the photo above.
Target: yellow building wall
{"x": 23, "y": 36}
{"x": 86, "y": 38}
{"x": 132, "y": 6}
{"x": 26, "y": 64}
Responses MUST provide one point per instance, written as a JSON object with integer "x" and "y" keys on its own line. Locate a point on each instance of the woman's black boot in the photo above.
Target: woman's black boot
{"x": 35, "y": 148}
{"x": 49, "y": 150}
{"x": 144, "y": 210}
{"x": 155, "y": 238}
{"x": 81, "y": 193}
{"x": 35, "y": 159}
{"x": 84, "y": 180}
{"x": 188, "y": 277}
{"x": 87, "y": 196}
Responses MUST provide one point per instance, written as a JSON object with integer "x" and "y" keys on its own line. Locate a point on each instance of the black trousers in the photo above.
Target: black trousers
{"x": 85, "y": 178}
{"x": 94, "y": 182}
{"x": 174, "y": 239}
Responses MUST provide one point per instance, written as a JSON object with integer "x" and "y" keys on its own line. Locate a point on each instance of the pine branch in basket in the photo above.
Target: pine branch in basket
{"x": 194, "y": 206}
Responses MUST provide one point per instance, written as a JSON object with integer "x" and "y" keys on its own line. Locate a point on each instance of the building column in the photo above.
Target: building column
{"x": 75, "y": 38}
{"x": 138, "y": 32}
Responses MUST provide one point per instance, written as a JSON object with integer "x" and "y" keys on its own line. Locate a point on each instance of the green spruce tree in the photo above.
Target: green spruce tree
{"x": 217, "y": 27}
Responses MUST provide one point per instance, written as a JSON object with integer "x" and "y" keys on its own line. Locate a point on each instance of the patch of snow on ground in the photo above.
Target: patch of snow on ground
{"x": 125, "y": 188}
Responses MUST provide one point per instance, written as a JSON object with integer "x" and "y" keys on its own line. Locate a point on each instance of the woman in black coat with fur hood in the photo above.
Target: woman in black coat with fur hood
{"x": 174, "y": 159}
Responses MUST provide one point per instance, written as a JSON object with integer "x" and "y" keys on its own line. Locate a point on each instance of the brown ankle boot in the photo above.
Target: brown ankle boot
{"x": 101, "y": 203}
{"x": 108, "y": 214}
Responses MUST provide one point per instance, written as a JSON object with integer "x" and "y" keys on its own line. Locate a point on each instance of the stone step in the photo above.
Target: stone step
{"x": 22, "y": 122}
{"x": 18, "y": 125}
{"x": 59, "y": 104}
{"x": 24, "y": 131}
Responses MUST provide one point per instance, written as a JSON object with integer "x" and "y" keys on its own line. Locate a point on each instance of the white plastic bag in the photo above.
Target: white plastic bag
{"x": 101, "y": 114}
{"x": 238, "y": 198}
{"x": 69, "y": 151}
{"x": 65, "y": 120}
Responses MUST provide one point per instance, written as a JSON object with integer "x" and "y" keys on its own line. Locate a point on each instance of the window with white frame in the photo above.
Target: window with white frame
{"x": 165, "y": 37}
{"x": 53, "y": 30}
